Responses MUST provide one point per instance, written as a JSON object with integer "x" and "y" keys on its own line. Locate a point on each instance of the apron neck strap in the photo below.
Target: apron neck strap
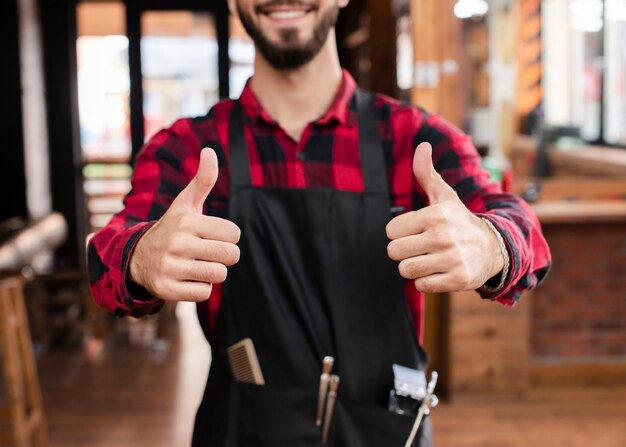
{"x": 370, "y": 147}
{"x": 238, "y": 148}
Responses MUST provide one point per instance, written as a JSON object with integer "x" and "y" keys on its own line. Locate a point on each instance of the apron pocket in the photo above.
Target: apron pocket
{"x": 358, "y": 424}
{"x": 279, "y": 416}
{"x": 275, "y": 416}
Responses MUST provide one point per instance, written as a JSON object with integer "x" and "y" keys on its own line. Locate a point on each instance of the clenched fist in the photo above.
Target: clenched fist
{"x": 186, "y": 252}
{"x": 443, "y": 247}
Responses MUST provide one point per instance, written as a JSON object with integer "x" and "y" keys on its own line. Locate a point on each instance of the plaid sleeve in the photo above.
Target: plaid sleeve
{"x": 458, "y": 162}
{"x": 162, "y": 169}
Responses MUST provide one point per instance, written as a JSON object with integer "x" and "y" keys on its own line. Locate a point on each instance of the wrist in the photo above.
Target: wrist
{"x": 136, "y": 260}
{"x": 501, "y": 260}
{"x": 133, "y": 274}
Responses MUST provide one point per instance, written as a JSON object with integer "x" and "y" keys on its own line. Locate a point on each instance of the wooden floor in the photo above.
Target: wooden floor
{"x": 122, "y": 396}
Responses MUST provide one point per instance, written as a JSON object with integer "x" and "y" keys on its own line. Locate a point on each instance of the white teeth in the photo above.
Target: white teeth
{"x": 285, "y": 15}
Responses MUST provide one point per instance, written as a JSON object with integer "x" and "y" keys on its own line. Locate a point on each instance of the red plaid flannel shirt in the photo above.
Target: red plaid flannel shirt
{"x": 326, "y": 156}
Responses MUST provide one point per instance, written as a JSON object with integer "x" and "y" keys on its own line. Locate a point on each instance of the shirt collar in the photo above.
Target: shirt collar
{"x": 338, "y": 110}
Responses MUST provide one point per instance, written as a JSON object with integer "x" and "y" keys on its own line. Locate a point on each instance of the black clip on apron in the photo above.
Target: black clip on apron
{"x": 314, "y": 279}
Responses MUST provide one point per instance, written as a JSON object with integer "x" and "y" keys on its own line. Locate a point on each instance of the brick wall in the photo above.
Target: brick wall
{"x": 579, "y": 312}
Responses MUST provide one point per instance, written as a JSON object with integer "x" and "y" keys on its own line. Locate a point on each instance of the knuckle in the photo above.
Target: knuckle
{"x": 407, "y": 269}
{"x": 236, "y": 234}
{"x": 219, "y": 252}
{"x": 433, "y": 220}
{"x": 226, "y": 253}
{"x": 466, "y": 276}
{"x": 440, "y": 214}
{"x": 220, "y": 272}
{"x": 457, "y": 254}
{"x": 392, "y": 251}
{"x": 214, "y": 273}
{"x": 201, "y": 294}
{"x": 164, "y": 289}
{"x": 460, "y": 279}
{"x": 443, "y": 236}
{"x": 183, "y": 221}
{"x": 169, "y": 265}
{"x": 423, "y": 285}
{"x": 235, "y": 255}
{"x": 162, "y": 266}
{"x": 177, "y": 242}
{"x": 207, "y": 272}
{"x": 157, "y": 287}
{"x": 389, "y": 231}
{"x": 458, "y": 284}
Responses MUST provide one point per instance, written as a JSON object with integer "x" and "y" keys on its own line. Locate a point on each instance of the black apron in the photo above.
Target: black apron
{"x": 314, "y": 280}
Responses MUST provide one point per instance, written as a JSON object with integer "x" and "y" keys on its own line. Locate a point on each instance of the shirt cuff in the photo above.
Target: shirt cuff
{"x": 137, "y": 300}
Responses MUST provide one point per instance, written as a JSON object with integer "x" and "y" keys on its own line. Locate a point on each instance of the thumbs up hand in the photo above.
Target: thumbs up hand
{"x": 443, "y": 247}
{"x": 183, "y": 254}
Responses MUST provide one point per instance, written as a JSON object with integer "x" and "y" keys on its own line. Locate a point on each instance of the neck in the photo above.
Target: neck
{"x": 297, "y": 97}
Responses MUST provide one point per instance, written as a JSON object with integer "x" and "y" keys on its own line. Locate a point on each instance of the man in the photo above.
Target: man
{"x": 315, "y": 203}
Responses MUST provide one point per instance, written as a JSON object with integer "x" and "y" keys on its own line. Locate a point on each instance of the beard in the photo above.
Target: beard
{"x": 290, "y": 53}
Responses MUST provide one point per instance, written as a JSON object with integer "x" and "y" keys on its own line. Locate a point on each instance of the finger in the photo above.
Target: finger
{"x": 422, "y": 266}
{"x": 201, "y": 271}
{"x": 428, "y": 178}
{"x": 209, "y": 250}
{"x": 415, "y": 222}
{"x": 436, "y": 283}
{"x": 189, "y": 291}
{"x": 198, "y": 189}
{"x": 217, "y": 229}
{"x": 413, "y": 245}
{"x": 406, "y": 224}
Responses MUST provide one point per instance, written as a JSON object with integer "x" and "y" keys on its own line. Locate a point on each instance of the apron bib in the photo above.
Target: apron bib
{"x": 314, "y": 280}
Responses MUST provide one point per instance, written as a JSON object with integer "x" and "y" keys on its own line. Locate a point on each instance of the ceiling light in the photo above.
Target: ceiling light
{"x": 465, "y": 9}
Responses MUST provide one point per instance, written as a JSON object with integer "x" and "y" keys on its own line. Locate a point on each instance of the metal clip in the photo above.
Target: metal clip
{"x": 430, "y": 402}
{"x": 327, "y": 367}
{"x": 330, "y": 406}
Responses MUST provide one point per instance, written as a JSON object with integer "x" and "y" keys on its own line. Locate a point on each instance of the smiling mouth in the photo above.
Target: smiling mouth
{"x": 278, "y": 10}
{"x": 286, "y": 15}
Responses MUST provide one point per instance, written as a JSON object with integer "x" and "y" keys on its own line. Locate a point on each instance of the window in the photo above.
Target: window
{"x": 615, "y": 76}
{"x": 179, "y": 66}
{"x": 104, "y": 115}
{"x": 585, "y": 67}
{"x": 181, "y": 74}
{"x": 103, "y": 81}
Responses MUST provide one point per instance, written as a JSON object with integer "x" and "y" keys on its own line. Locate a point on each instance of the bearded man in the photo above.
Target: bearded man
{"x": 332, "y": 210}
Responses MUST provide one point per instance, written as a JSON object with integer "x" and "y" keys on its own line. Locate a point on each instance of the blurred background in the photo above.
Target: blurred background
{"x": 539, "y": 85}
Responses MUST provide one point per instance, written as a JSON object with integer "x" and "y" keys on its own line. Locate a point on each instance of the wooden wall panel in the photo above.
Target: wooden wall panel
{"x": 477, "y": 346}
{"x": 489, "y": 346}
{"x": 453, "y": 101}
{"x": 437, "y": 40}
{"x": 426, "y": 48}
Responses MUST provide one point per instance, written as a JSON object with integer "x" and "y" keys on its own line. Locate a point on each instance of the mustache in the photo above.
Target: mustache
{"x": 261, "y": 7}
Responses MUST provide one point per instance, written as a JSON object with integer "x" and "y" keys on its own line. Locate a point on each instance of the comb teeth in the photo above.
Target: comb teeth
{"x": 244, "y": 363}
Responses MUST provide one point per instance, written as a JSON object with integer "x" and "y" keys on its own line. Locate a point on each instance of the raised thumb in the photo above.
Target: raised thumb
{"x": 427, "y": 177}
{"x": 198, "y": 189}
